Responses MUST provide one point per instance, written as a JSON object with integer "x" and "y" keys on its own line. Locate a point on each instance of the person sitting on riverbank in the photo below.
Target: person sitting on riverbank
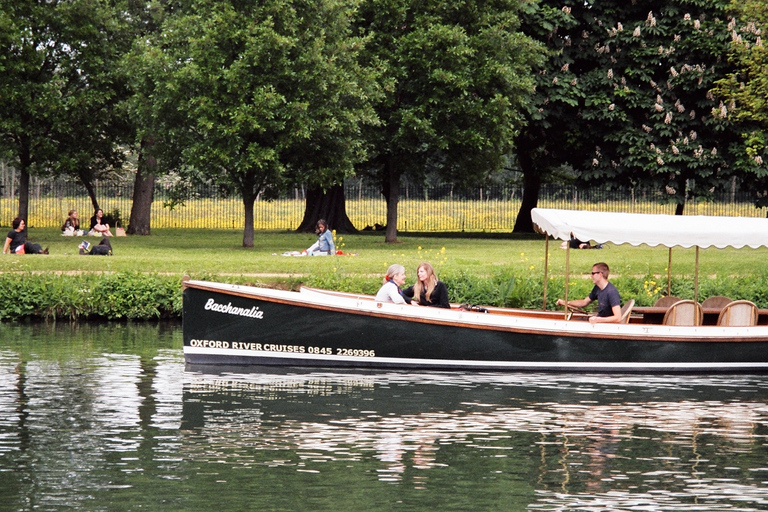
{"x": 606, "y": 294}
{"x": 427, "y": 290}
{"x": 71, "y": 226}
{"x": 98, "y": 226}
{"x": 16, "y": 241}
{"x": 324, "y": 245}
{"x": 390, "y": 290}
{"x": 575, "y": 243}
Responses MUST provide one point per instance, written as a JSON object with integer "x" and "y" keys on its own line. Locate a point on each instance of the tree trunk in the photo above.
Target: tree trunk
{"x": 143, "y": 191}
{"x": 391, "y": 191}
{"x": 25, "y": 161}
{"x": 249, "y": 198}
{"x": 531, "y": 189}
{"x": 91, "y": 192}
{"x": 679, "y": 208}
{"x": 330, "y": 205}
{"x": 24, "y": 194}
{"x": 141, "y": 208}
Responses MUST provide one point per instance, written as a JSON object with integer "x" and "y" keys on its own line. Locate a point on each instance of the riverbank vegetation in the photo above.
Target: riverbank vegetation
{"x": 142, "y": 280}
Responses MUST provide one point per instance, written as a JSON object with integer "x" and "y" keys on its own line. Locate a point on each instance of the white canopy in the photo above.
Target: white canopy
{"x": 638, "y": 228}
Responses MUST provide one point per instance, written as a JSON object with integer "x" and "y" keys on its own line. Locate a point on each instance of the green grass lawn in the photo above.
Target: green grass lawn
{"x": 205, "y": 252}
{"x": 143, "y": 277}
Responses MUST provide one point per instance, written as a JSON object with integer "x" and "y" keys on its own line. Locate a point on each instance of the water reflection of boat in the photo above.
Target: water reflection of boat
{"x": 241, "y": 325}
{"x": 410, "y": 422}
{"x": 525, "y": 402}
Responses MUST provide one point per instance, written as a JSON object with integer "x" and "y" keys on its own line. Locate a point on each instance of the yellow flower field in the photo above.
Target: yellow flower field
{"x": 416, "y": 215}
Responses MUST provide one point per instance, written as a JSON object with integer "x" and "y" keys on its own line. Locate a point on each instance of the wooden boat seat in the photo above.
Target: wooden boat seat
{"x": 738, "y": 313}
{"x": 626, "y": 310}
{"x": 684, "y": 312}
{"x": 665, "y": 302}
{"x": 716, "y": 302}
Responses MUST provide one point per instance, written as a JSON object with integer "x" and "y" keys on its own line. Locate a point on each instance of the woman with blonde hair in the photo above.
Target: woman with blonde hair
{"x": 428, "y": 290}
{"x": 71, "y": 226}
{"x": 390, "y": 290}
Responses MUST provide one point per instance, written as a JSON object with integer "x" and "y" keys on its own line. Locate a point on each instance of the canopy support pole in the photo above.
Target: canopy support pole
{"x": 696, "y": 278}
{"x": 567, "y": 274}
{"x": 546, "y": 267}
{"x": 669, "y": 274}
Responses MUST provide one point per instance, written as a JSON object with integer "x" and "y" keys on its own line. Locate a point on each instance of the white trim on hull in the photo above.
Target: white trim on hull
{"x": 319, "y": 360}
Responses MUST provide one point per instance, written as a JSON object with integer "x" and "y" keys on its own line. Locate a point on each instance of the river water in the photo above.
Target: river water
{"x": 108, "y": 418}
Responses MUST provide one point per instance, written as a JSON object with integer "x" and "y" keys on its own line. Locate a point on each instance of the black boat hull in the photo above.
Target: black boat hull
{"x": 249, "y": 326}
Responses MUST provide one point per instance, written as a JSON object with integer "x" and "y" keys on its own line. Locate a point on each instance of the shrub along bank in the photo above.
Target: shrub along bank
{"x": 114, "y": 296}
{"x": 147, "y": 296}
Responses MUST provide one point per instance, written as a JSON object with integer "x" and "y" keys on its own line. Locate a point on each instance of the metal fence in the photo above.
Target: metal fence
{"x": 421, "y": 208}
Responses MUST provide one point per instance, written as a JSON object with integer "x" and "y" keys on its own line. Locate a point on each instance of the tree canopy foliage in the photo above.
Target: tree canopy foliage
{"x": 744, "y": 94}
{"x": 455, "y": 76}
{"x": 60, "y": 88}
{"x": 257, "y": 91}
{"x": 262, "y": 96}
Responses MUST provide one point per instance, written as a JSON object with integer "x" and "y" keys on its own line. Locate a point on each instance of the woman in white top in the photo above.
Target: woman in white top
{"x": 390, "y": 290}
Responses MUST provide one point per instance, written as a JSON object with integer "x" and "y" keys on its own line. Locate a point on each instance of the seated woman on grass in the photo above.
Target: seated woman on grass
{"x": 324, "y": 244}
{"x": 98, "y": 226}
{"x": 16, "y": 241}
{"x": 71, "y": 226}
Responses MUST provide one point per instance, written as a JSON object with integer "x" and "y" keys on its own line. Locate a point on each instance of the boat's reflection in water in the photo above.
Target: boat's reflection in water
{"x": 591, "y": 442}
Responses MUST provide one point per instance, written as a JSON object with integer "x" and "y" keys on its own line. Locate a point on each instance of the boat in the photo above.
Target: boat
{"x": 245, "y": 326}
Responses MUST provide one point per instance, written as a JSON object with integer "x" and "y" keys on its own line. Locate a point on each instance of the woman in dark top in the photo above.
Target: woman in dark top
{"x": 428, "y": 289}
{"x": 98, "y": 227}
{"x": 16, "y": 241}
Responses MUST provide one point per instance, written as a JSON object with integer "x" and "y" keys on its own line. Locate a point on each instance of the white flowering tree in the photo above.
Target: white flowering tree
{"x": 651, "y": 98}
{"x": 625, "y": 98}
{"x": 744, "y": 92}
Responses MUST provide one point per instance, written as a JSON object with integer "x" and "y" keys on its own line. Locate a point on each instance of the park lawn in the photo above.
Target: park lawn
{"x": 143, "y": 277}
{"x": 206, "y": 253}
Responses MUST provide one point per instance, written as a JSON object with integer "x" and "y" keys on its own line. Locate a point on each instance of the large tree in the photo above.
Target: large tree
{"x": 554, "y": 132}
{"x": 262, "y": 88}
{"x": 330, "y": 204}
{"x": 455, "y": 75}
{"x": 649, "y": 101}
{"x": 624, "y": 98}
{"x": 145, "y": 21}
{"x": 59, "y": 88}
{"x": 744, "y": 93}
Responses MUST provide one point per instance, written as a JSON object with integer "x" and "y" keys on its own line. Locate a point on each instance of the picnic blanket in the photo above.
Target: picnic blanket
{"x": 300, "y": 253}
